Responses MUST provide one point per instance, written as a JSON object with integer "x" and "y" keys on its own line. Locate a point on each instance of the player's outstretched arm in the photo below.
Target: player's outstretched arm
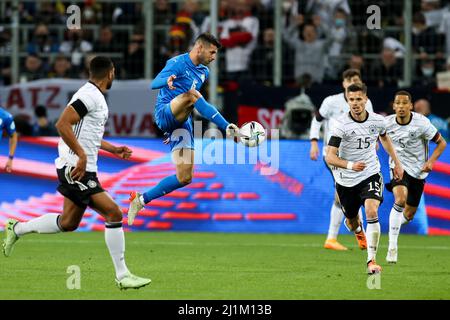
{"x": 122, "y": 152}
{"x": 333, "y": 160}
{"x": 314, "y": 133}
{"x": 165, "y": 77}
{"x": 389, "y": 147}
{"x": 68, "y": 118}
{"x": 12, "y": 150}
{"x": 441, "y": 145}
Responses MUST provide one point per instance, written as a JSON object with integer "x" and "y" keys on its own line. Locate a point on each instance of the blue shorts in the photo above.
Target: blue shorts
{"x": 181, "y": 134}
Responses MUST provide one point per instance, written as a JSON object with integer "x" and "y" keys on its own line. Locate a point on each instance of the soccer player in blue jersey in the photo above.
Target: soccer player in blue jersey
{"x": 179, "y": 83}
{"x": 7, "y": 124}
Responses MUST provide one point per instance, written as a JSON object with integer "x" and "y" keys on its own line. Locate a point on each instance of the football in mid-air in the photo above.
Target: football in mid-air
{"x": 252, "y": 134}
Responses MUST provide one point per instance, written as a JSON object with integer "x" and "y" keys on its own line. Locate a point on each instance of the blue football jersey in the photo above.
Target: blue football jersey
{"x": 188, "y": 76}
{"x": 6, "y": 123}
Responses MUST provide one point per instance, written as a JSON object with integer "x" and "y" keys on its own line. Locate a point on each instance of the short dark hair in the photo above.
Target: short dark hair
{"x": 404, "y": 93}
{"x": 207, "y": 37}
{"x": 357, "y": 87}
{"x": 99, "y": 67}
{"x": 350, "y": 73}
{"x": 40, "y": 111}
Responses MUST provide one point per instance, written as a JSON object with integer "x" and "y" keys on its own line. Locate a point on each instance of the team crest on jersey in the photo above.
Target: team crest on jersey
{"x": 202, "y": 77}
{"x": 412, "y": 134}
{"x": 373, "y": 129}
{"x": 92, "y": 184}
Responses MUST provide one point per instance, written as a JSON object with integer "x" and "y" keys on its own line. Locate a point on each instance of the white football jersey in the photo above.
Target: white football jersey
{"x": 89, "y": 130}
{"x": 411, "y": 142}
{"x": 331, "y": 108}
{"x": 358, "y": 143}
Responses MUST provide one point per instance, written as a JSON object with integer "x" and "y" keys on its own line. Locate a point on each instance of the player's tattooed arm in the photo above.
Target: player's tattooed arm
{"x": 333, "y": 160}
{"x": 441, "y": 145}
{"x": 389, "y": 147}
{"x": 68, "y": 118}
{"x": 122, "y": 152}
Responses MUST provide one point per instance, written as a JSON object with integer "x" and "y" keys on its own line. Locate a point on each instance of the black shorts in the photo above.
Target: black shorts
{"x": 415, "y": 188}
{"x": 79, "y": 192}
{"x": 352, "y": 198}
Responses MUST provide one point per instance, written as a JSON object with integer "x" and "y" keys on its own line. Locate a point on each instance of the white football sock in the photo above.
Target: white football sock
{"x": 373, "y": 237}
{"x": 47, "y": 223}
{"x": 395, "y": 223}
{"x": 336, "y": 216}
{"x": 404, "y": 220}
{"x": 115, "y": 241}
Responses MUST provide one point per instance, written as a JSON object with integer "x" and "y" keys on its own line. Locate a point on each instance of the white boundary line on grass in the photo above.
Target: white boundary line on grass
{"x": 221, "y": 244}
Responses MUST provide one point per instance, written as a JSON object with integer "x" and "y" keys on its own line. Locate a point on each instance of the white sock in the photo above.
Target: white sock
{"x": 47, "y": 223}
{"x": 115, "y": 241}
{"x": 395, "y": 222}
{"x": 373, "y": 237}
{"x": 336, "y": 216}
{"x": 404, "y": 220}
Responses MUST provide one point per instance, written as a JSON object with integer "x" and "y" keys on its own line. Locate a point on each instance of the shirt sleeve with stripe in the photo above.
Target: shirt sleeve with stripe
{"x": 83, "y": 105}
{"x": 429, "y": 131}
{"x": 383, "y": 126}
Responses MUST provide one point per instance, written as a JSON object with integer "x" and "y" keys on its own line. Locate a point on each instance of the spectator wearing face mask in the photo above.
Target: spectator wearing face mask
{"x": 42, "y": 41}
{"x": 310, "y": 52}
{"x": 426, "y": 74}
{"x": 339, "y": 36}
{"x": 76, "y": 46}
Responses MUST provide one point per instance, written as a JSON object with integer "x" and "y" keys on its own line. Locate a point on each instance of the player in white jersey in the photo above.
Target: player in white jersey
{"x": 410, "y": 133}
{"x": 81, "y": 127}
{"x": 332, "y": 107}
{"x": 352, "y": 152}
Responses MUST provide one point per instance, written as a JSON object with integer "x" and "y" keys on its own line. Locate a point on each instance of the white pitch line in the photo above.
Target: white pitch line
{"x": 222, "y": 244}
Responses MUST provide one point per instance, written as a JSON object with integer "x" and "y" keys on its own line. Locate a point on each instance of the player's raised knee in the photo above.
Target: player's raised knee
{"x": 194, "y": 95}
{"x": 185, "y": 179}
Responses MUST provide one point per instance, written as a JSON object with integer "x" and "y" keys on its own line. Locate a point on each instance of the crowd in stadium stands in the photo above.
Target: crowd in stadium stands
{"x": 320, "y": 39}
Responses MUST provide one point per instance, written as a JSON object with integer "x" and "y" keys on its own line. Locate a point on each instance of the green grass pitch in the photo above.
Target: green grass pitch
{"x": 224, "y": 266}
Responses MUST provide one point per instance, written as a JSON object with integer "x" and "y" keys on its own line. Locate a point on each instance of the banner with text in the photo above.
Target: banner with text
{"x": 131, "y": 103}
